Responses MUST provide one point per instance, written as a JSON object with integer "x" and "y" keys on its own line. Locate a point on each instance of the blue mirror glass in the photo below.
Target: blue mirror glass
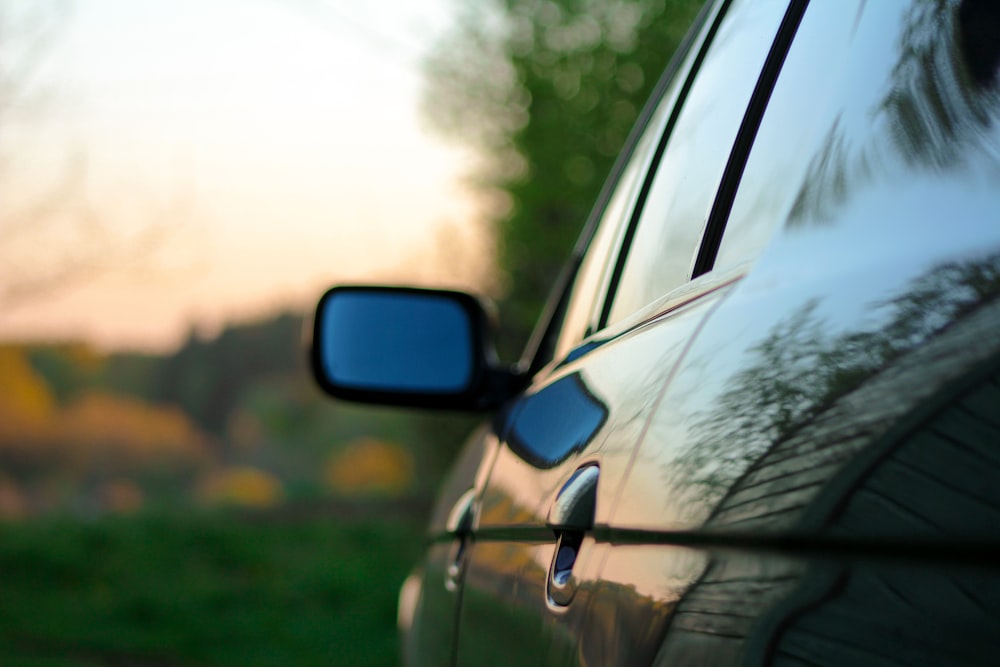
{"x": 555, "y": 422}
{"x": 396, "y": 341}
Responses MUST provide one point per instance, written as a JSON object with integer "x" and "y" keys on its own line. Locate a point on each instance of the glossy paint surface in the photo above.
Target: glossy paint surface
{"x": 875, "y": 295}
{"x": 505, "y": 579}
{"x": 797, "y": 450}
{"x": 890, "y": 238}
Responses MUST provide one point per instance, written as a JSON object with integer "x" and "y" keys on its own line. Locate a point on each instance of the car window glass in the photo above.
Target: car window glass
{"x": 866, "y": 95}
{"x": 578, "y": 313}
{"x": 588, "y": 286}
{"x": 662, "y": 252}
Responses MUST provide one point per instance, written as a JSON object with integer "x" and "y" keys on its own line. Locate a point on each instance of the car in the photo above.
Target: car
{"x": 759, "y": 420}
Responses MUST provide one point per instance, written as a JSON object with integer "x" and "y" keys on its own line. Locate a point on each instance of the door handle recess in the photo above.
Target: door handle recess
{"x": 570, "y": 517}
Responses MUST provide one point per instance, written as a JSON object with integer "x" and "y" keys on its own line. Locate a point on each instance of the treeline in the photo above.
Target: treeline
{"x": 230, "y": 418}
{"x": 205, "y": 378}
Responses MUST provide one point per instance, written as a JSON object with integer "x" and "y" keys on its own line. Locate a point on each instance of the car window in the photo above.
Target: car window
{"x": 811, "y": 75}
{"x": 661, "y": 253}
{"x": 855, "y": 107}
{"x": 593, "y": 275}
{"x": 593, "y": 269}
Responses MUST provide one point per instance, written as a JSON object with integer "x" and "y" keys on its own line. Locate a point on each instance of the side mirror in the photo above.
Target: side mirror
{"x": 406, "y": 346}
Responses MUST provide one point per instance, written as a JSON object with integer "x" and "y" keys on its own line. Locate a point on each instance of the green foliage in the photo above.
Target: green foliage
{"x": 111, "y": 432}
{"x": 206, "y": 377}
{"x": 206, "y": 589}
{"x": 68, "y": 368}
{"x": 548, "y": 91}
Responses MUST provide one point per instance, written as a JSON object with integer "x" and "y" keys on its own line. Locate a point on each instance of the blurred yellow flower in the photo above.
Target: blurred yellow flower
{"x": 370, "y": 467}
{"x": 244, "y": 486}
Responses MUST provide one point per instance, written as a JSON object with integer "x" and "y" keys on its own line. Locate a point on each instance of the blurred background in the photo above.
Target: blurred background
{"x": 179, "y": 182}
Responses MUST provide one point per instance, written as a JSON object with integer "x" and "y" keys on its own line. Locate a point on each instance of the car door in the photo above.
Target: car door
{"x": 818, "y": 483}
{"x": 539, "y": 536}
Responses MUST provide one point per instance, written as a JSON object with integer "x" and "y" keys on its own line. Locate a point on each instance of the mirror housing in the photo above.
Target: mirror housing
{"x": 410, "y": 347}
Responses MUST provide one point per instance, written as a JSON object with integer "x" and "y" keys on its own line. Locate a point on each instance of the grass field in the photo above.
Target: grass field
{"x": 202, "y": 589}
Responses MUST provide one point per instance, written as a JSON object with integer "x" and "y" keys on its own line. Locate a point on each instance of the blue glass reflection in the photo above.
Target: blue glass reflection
{"x": 555, "y": 422}
{"x": 397, "y": 341}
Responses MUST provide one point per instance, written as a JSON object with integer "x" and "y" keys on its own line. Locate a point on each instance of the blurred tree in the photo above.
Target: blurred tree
{"x": 100, "y": 434}
{"x": 207, "y": 378}
{"x": 68, "y": 368}
{"x": 242, "y": 398}
{"x": 26, "y": 402}
{"x": 121, "y": 431}
{"x": 547, "y": 91}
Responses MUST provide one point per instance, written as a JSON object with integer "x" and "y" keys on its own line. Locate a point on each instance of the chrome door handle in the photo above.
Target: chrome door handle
{"x": 570, "y": 517}
{"x": 459, "y": 521}
{"x": 574, "y": 506}
{"x": 459, "y": 526}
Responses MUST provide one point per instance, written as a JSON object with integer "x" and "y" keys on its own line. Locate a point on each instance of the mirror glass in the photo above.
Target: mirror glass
{"x": 385, "y": 340}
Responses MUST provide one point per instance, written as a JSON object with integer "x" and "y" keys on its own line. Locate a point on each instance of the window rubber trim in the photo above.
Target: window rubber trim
{"x": 547, "y": 328}
{"x": 715, "y": 227}
{"x": 642, "y": 121}
{"x": 647, "y": 184}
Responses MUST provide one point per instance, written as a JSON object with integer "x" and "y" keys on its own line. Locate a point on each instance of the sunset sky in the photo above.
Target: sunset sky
{"x": 216, "y": 160}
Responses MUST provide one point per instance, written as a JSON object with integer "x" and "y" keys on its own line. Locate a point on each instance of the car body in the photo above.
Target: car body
{"x": 760, "y": 420}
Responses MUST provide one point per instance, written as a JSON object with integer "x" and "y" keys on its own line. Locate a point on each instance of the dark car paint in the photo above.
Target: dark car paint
{"x": 797, "y": 449}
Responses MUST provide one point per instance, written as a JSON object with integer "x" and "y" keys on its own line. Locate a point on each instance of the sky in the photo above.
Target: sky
{"x": 218, "y": 160}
